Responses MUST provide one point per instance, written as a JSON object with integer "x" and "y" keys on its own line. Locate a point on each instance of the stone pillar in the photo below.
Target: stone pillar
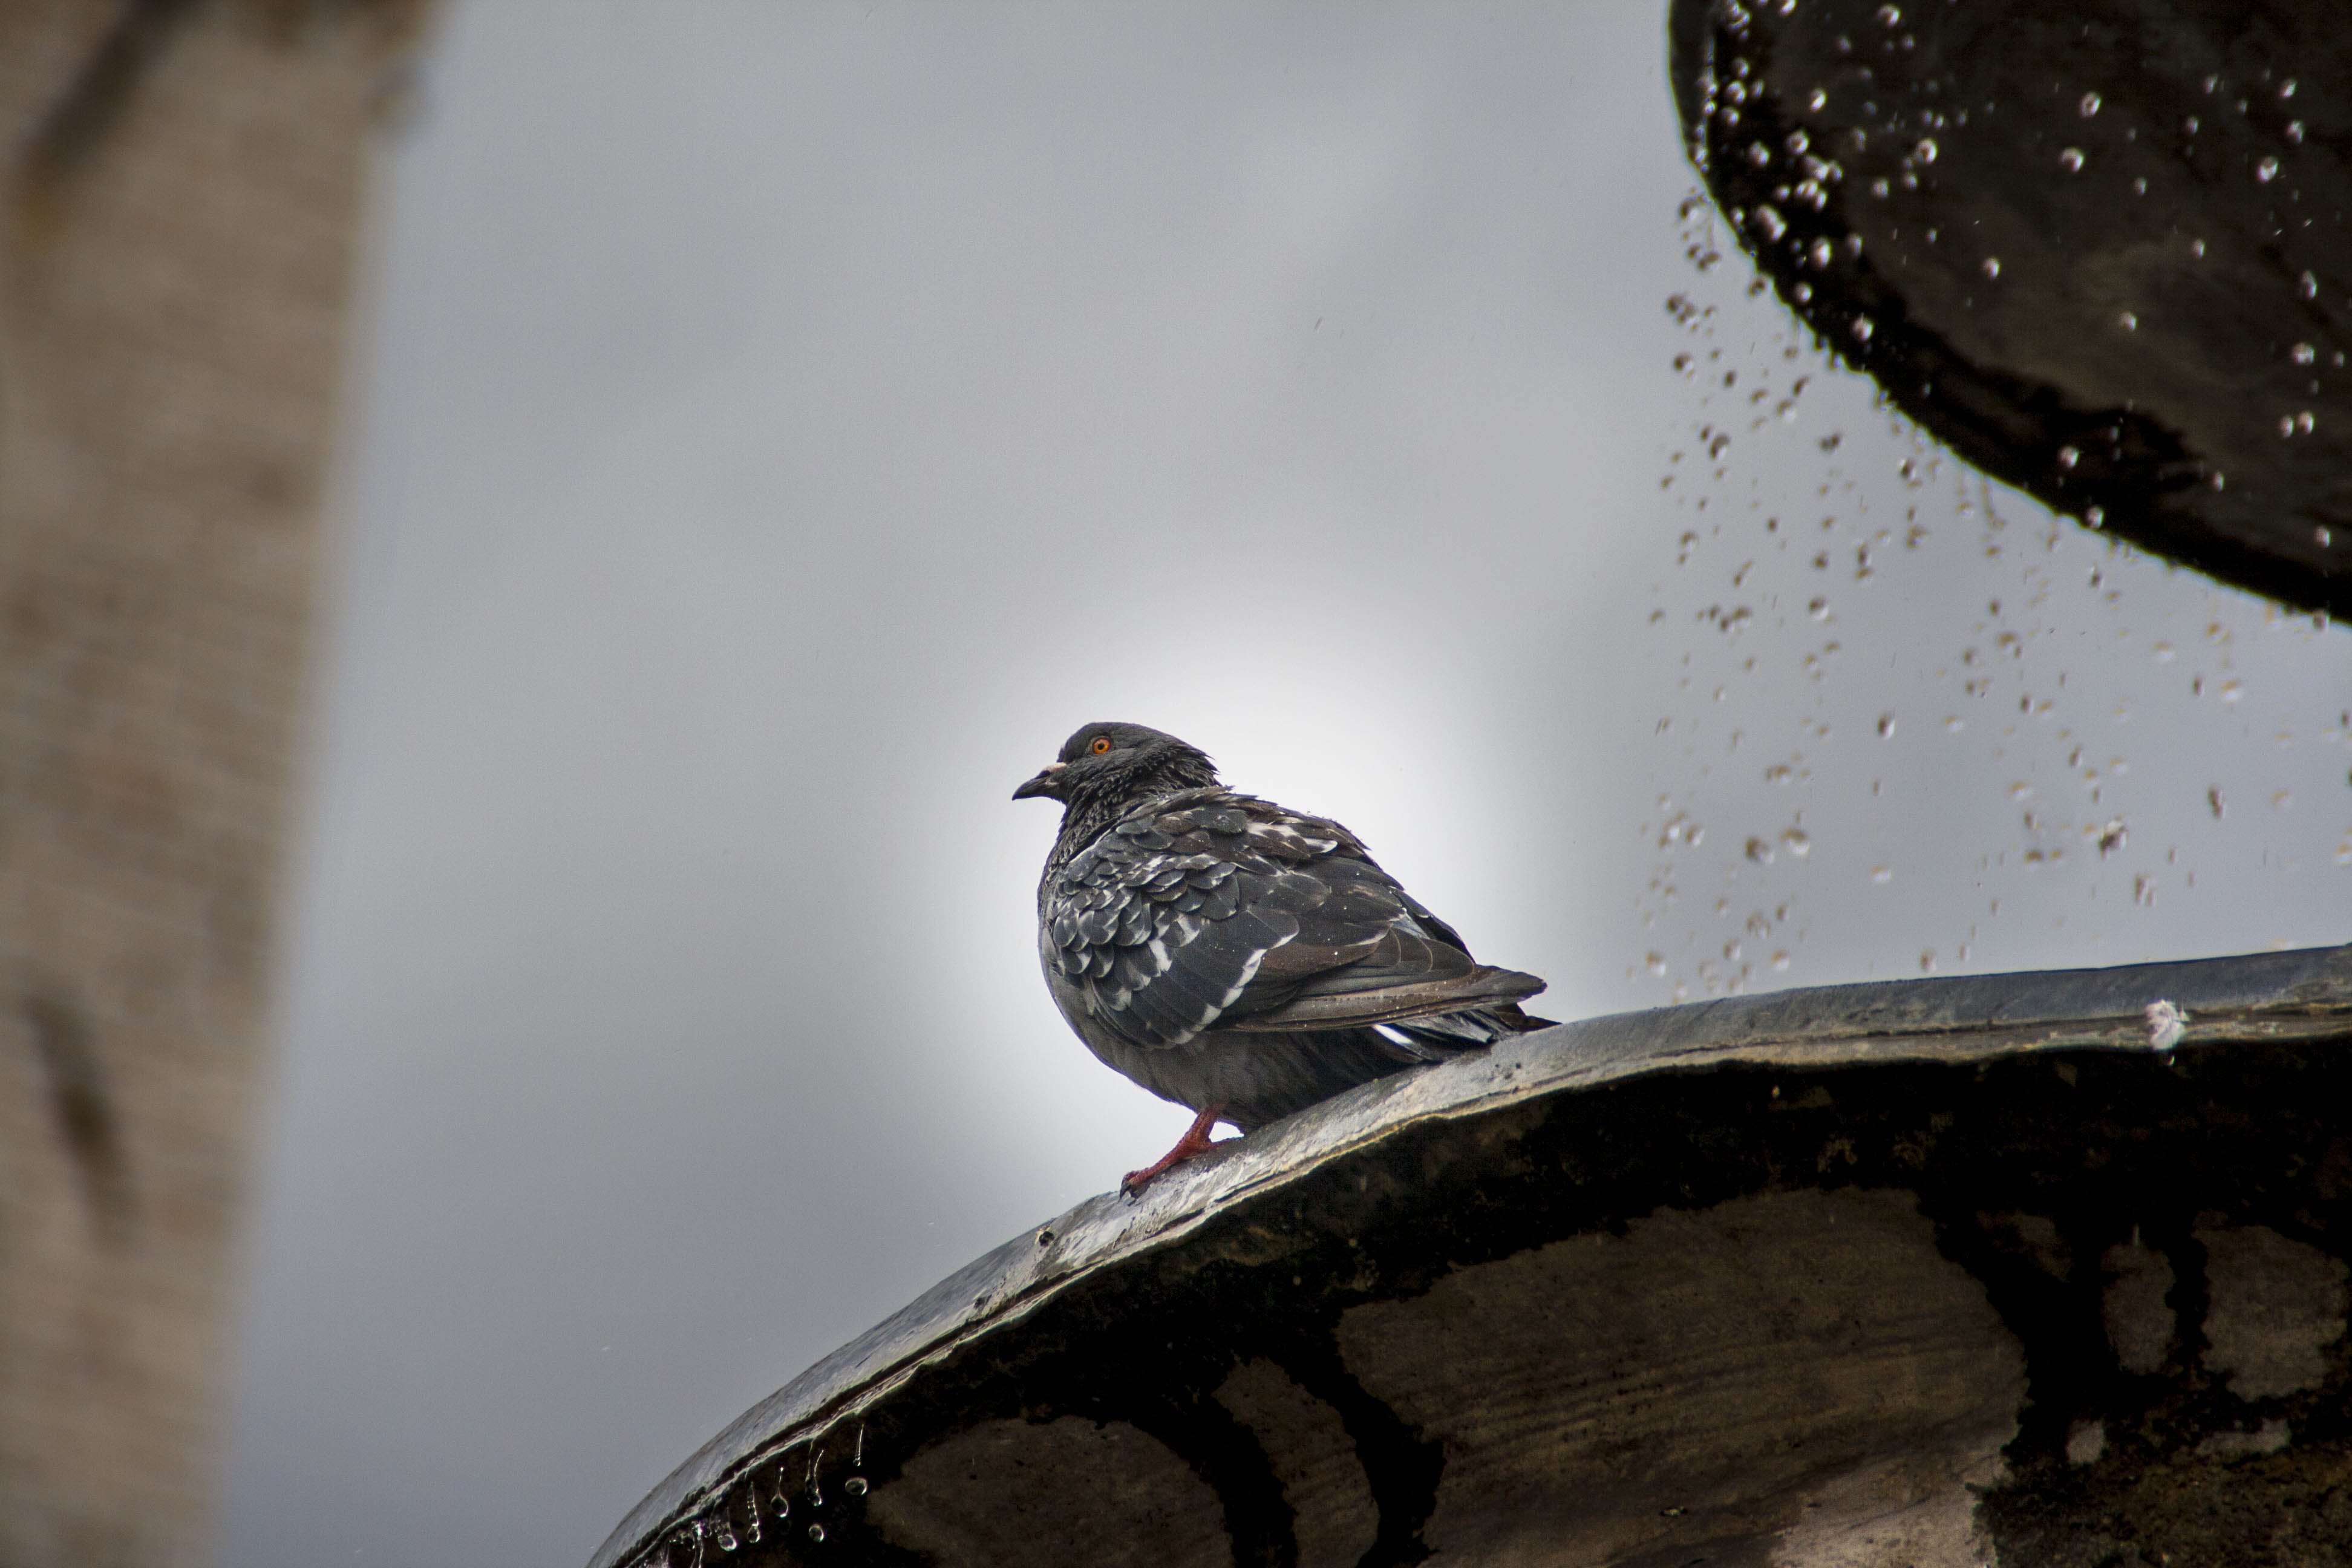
{"x": 184, "y": 197}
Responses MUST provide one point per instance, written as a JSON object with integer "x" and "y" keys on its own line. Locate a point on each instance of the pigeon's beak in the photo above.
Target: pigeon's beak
{"x": 1044, "y": 783}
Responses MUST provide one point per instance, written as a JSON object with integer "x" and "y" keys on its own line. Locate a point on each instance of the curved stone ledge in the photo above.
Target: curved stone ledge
{"x": 1927, "y": 1272}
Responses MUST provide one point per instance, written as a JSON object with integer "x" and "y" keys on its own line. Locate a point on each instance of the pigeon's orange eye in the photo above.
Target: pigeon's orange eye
{"x": 1102, "y": 744}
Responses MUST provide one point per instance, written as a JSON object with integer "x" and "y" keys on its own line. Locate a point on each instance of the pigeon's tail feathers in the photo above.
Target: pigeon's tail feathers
{"x": 1483, "y": 989}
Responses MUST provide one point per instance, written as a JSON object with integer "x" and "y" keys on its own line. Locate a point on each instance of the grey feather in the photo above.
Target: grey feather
{"x": 1223, "y": 950}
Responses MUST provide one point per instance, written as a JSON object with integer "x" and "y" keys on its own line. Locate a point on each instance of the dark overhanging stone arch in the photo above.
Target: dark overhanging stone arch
{"x": 2102, "y": 250}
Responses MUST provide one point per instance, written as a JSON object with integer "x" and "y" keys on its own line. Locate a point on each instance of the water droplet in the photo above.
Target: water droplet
{"x": 1992, "y": 265}
{"x": 1797, "y": 141}
{"x": 1794, "y": 841}
{"x": 2128, "y": 322}
{"x": 855, "y": 1486}
{"x": 2143, "y": 890}
{"x": 2216, "y": 803}
{"x": 1882, "y": 873}
{"x": 1819, "y": 102}
{"x": 2286, "y": 87}
{"x": 1861, "y": 329}
{"x": 1926, "y": 151}
{"x": 2308, "y": 421}
{"x": 1780, "y": 959}
{"x": 2325, "y": 535}
{"x": 2096, "y": 516}
{"x": 1888, "y": 16}
{"x": 2307, "y": 285}
{"x": 2286, "y": 426}
{"x": 2294, "y": 132}
{"x": 2267, "y": 170}
{"x": 1769, "y": 220}
{"x": 2303, "y": 353}
{"x": 1761, "y": 853}
{"x": 1823, "y": 253}
{"x": 1819, "y": 609}
{"x": 1879, "y": 187}
{"x": 1953, "y": 722}
{"x": 2113, "y": 837}
{"x": 2071, "y": 158}
{"x": 1657, "y": 963}
{"x": 2232, "y": 691}
{"x": 2197, "y": 249}
{"x": 1758, "y": 153}
{"x": 2090, "y": 105}
{"x": 817, "y": 1532}
{"x": 2068, "y": 457}
{"x": 1886, "y": 724}
{"x": 1927, "y": 961}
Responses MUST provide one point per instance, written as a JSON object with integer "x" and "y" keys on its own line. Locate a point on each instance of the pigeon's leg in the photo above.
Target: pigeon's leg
{"x": 1196, "y": 1141}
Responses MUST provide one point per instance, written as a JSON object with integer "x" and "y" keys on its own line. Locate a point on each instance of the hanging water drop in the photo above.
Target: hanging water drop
{"x": 2267, "y": 170}
{"x": 2090, "y": 105}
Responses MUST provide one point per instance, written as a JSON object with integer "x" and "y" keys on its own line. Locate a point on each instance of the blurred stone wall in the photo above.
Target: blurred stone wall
{"x": 184, "y": 198}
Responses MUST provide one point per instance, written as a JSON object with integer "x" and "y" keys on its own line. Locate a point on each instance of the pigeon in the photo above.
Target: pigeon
{"x": 1233, "y": 956}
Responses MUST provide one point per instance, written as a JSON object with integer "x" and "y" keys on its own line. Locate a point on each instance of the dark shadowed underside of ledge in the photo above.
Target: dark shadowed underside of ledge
{"x": 1923, "y": 1273}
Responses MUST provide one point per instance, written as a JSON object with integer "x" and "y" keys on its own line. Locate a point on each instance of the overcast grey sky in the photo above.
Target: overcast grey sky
{"x": 774, "y": 428}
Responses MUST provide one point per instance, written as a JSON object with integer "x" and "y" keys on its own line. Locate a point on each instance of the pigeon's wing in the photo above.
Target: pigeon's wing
{"x": 1209, "y": 909}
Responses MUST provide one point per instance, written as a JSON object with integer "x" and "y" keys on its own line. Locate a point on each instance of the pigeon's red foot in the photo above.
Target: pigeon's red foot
{"x": 1196, "y": 1141}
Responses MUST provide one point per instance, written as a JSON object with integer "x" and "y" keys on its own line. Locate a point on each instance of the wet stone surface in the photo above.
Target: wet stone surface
{"x": 1922, "y": 1273}
{"x": 2101, "y": 250}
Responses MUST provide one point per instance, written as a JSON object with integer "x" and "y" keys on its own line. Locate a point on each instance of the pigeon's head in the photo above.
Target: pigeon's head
{"x": 1104, "y": 763}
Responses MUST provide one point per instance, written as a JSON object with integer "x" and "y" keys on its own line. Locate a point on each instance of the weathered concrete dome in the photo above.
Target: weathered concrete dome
{"x": 1931, "y": 1272}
